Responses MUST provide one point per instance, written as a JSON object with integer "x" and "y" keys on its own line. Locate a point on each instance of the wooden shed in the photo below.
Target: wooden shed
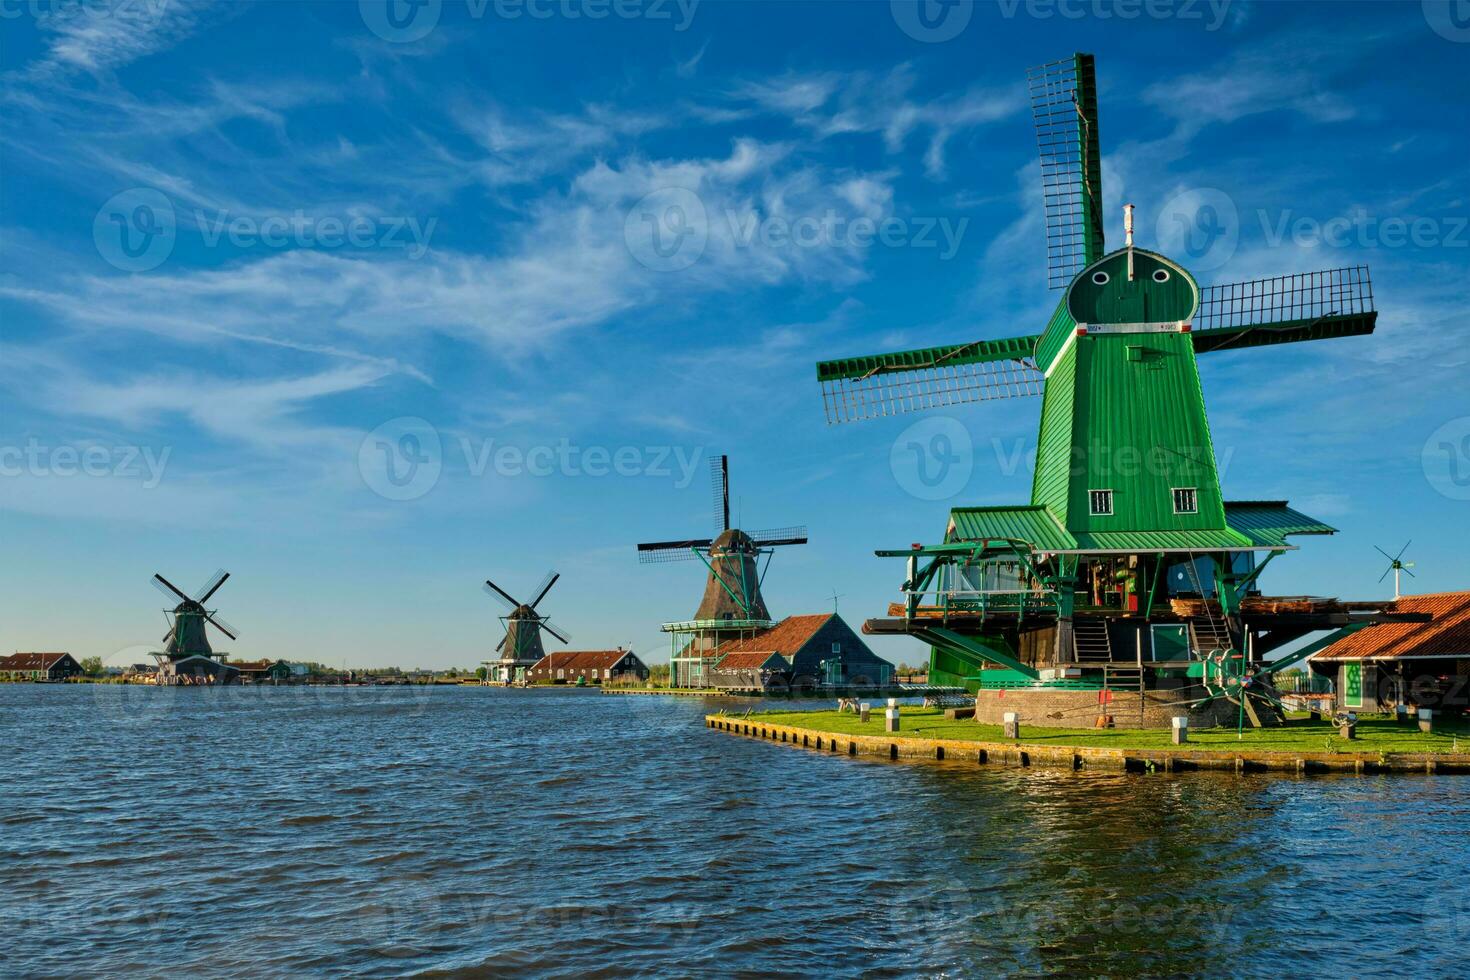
{"x": 750, "y": 670}
{"x": 588, "y": 666}
{"x": 1419, "y": 664}
{"x": 822, "y": 651}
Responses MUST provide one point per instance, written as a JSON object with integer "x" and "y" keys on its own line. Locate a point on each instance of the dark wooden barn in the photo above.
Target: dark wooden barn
{"x": 822, "y": 650}
{"x": 39, "y": 667}
{"x": 588, "y": 666}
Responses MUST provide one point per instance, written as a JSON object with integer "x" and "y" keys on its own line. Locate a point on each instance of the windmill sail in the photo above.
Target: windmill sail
{"x": 657, "y": 552}
{"x": 1285, "y": 309}
{"x": 908, "y": 381}
{"x": 772, "y": 537}
{"x": 719, "y": 481}
{"x": 1064, "y": 108}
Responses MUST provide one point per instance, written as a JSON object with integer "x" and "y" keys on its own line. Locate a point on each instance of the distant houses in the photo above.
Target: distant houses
{"x": 587, "y": 666}
{"x": 800, "y": 653}
{"x": 39, "y": 667}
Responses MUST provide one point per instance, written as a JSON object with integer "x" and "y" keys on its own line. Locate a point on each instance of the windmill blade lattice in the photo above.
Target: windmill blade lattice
{"x": 170, "y": 591}
{"x": 921, "y": 389}
{"x": 659, "y": 552}
{"x": 211, "y": 586}
{"x": 544, "y": 587}
{"x": 222, "y": 626}
{"x": 502, "y": 597}
{"x": 1064, "y": 108}
{"x": 777, "y": 536}
{"x": 719, "y": 481}
{"x": 1285, "y": 309}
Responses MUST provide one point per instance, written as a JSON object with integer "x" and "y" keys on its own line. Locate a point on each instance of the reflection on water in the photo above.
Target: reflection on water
{"x": 477, "y": 831}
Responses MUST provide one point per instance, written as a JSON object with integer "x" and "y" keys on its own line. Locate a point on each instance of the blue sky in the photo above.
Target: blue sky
{"x": 255, "y": 254}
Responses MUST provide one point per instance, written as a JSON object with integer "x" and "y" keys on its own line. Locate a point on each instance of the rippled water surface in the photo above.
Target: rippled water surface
{"x": 473, "y": 831}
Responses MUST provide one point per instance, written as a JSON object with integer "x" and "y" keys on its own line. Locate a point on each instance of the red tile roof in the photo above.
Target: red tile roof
{"x": 1447, "y": 634}
{"x": 581, "y": 660}
{"x": 750, "y": 660}
{"x": 30, "y": 661}
{"x": 785, "y": 638}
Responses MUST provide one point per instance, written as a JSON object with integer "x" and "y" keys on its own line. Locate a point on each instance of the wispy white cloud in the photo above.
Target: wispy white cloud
{"x": 834, "y": 103}
{"x": 101, "y": 37}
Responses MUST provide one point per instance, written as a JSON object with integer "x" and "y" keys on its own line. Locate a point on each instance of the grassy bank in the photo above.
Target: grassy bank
{"x": 1299, "y": 735}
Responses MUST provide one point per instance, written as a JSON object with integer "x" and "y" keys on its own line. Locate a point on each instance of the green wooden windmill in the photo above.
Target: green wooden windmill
{"x": 1126, "y": 507}
{"x": 187, "y": 636}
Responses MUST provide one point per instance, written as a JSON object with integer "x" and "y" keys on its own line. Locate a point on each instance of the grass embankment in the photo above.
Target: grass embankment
{"x": 1299, "y": 735}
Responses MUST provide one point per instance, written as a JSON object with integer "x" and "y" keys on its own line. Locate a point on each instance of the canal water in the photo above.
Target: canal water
{"x": 481, "y": 832}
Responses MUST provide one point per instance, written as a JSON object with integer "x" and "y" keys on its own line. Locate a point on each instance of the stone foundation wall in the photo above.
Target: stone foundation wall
{"x": 1081, "y": 709}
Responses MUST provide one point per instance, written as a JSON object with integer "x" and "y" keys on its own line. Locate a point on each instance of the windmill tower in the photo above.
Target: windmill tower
{"x": 520, "y": 648}
{"x": 187, "y": 657}
{"x": 1126, "y": 493}
{"x": 1398, "y": 566}
{"x": 732, "y": 606}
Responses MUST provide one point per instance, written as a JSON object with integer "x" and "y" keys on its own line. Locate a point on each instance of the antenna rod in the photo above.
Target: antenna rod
{"x": 1128, "y": 236}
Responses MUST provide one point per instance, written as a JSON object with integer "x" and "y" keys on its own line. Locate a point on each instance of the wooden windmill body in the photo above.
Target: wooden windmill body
{"x": 732, "y": 607}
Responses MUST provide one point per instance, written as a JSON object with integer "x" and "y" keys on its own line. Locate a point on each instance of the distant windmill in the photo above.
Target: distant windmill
{"x": 186, "y": 636}
{"x": 520, "y": 648}
{"x": 732, "y": 591}
{"x": 1397, "y": 565}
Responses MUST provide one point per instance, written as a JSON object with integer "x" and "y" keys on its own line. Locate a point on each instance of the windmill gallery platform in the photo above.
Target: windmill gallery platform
{"x": 1127, "y": 590}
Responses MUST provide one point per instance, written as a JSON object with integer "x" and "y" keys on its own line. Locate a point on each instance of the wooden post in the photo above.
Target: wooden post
{"x": 1426, "y": 720}
{"x": 1181, "y": 729}
{"x": 890, "y": 720}
{"x": 864, "y": 710}
{"x": 1012, "y": 723}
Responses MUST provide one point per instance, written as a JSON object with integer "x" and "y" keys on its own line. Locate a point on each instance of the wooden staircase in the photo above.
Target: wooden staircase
{"x": 1090, "y": 641}
{"x": 1208, "y": 633}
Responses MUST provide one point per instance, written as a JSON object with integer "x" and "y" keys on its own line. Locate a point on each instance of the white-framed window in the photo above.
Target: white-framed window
{"x": 1100, "y": 502}
{"x": 837, "y": 648}
{"x": 1186, "y": 500}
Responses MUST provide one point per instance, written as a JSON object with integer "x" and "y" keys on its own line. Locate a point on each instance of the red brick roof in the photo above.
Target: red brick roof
{"x": 30, "y": 661}
{"x": 251, "y": 664}
{"x": 1447, "y": 634}
{"x": 785, "y": 638}
{"x": 581, "y": 660}
{"x": 749, "y": 660}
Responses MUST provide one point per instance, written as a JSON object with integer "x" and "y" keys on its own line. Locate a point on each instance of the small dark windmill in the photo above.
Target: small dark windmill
{"x": 187, "y": 636}
{"x": 732, "y": 592}
{"x": 520, "y": 648}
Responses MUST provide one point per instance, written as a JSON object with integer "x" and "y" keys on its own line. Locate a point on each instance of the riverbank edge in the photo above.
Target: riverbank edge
{"x": 1022, "y": 753}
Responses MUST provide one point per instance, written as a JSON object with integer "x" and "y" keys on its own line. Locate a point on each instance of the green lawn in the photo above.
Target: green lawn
{"x": 1299, "y": 735}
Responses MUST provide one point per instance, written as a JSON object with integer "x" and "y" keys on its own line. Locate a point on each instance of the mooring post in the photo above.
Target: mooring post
{"x": 1012, "y": 722}
{"x": 1426, "y": 720}
{"x": 864, "y": 711}
{"x": 1181, "y": 729}
{"x": 1349, "y": 728}
{"x": 890, "y": 717}
{"x": 1401, "y": 713}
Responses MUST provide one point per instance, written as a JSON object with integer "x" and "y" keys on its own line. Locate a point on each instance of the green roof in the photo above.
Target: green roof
{"x": 1268, "y": 522}
{"x": 1034, "y": 525}
{"x": 1178, "y": 540}
{"x": 1253, "y": 525}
